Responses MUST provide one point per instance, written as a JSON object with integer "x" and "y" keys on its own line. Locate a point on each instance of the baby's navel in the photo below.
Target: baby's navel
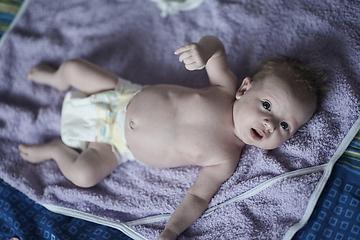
{"x": 132, "y": 124}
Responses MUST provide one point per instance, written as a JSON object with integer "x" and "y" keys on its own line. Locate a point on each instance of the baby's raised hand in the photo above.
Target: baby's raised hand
{"x": 193, "y": 55}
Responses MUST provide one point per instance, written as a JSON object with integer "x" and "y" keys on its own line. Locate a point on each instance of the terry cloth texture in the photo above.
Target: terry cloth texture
{"x": 132, "y": 40}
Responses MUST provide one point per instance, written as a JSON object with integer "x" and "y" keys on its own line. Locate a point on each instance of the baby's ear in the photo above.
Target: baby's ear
{"x": 245, "y": 85}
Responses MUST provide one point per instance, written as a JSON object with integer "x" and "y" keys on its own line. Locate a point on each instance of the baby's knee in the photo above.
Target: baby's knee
{"x": 85, "y": 176}
{"x": 94, "y": 164}
{"x": 71, "y": 65}
{"x": 84, "y": 179}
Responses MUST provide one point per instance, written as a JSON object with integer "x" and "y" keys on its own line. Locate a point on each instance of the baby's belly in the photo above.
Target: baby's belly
{"x": 157, "y": 152}
{"x": 155, "y": 132}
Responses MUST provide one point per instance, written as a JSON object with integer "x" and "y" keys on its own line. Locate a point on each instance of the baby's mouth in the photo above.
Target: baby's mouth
{"x": 257, "y": 134}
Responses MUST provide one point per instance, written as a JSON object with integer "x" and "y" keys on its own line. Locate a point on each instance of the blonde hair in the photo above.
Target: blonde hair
{"x": 312, "y": 78}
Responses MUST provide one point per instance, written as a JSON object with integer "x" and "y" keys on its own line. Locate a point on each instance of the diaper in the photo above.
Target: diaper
{"x": 98, "y": 118}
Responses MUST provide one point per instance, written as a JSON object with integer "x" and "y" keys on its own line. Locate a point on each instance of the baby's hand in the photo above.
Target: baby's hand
{"x": 193, "y": 56}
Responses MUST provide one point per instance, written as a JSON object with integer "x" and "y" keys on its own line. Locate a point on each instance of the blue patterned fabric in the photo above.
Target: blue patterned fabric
{"x": 8, "y": 10}
{"x": 23, "y": 218}
{"x": 337, "y": 213}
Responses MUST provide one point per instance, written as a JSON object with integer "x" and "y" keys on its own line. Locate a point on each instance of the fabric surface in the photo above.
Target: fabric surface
{"x": 131, "y": 39}
{"x": 23, "y": 218}
{"x": 337, "y": 214}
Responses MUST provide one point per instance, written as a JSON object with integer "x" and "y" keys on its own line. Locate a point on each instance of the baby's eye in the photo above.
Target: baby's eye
{"x": 285, "y": 126}
{"x": 266, "y": 105}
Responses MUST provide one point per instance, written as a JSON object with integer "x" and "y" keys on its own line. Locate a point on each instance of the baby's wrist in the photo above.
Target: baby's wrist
{"x": 168, "y": 234}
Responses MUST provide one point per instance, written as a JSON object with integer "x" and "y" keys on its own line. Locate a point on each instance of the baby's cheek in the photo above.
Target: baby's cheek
{"x": 279, "y": 141}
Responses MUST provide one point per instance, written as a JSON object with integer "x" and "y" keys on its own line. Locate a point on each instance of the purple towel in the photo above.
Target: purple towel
{"x": 131, "y": 39}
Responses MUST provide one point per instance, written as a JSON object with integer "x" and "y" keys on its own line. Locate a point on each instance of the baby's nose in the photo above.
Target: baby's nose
{"x": 269, "y": 125}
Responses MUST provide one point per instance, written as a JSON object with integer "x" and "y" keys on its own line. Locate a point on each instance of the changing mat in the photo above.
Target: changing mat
{"x": 270, "y": 195}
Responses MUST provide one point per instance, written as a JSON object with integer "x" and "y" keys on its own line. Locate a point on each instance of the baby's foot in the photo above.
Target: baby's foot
{"x": 38, "y": 153}
{"x": 45, "y": 74}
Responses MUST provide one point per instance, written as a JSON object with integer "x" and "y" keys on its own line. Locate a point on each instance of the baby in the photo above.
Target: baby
{"x": 113, "y": 121}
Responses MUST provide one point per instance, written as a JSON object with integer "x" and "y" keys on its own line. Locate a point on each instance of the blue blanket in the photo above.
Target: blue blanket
{"x": 337, "y": 213}
{"x": 23, "y": 218}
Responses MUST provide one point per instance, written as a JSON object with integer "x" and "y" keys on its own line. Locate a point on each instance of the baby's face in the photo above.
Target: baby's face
{"x": 270, "y": 111}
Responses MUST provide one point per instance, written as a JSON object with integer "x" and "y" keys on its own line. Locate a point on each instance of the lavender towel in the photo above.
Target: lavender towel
{"x": 131, "y": 39}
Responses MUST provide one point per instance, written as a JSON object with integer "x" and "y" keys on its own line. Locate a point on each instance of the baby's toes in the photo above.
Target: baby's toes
{"x": 23, "y": 150}
{"x": 30, "y": 74}
{"x": 22, "y": 147}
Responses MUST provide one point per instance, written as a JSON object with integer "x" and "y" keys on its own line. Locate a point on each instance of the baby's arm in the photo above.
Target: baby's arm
{"x": 209, "y": 52}
{"x": 197, "y": 198}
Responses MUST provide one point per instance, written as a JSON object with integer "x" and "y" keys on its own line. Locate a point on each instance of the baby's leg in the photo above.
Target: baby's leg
{"x": 78, "y": 73}
{"x": 41, "y": 152}
{"x": 92, "y": 166}
{"x": 45, "y": 74}
{"x": 84, "y": 170}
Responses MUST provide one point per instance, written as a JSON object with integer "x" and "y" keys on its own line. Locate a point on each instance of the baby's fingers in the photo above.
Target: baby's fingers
{"x": 184, "y": 48}
{"x": 184, "y": 56}
{"x": 190, "y": 56}
{"x": 194, "y": 66}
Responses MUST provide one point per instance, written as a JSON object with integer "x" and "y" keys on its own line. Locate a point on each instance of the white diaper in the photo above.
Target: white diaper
{"x": 98, "y": 118}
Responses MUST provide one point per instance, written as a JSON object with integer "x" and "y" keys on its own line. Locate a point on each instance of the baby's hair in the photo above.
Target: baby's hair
{"x": 310, "y": 77}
